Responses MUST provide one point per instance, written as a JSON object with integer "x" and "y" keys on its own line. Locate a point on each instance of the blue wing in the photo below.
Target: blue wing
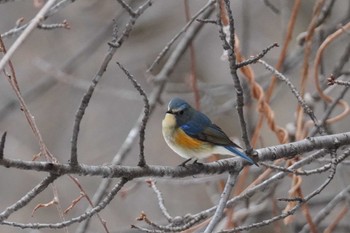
{"x": 200, "y": 127}
{"x": 197, "y": 124}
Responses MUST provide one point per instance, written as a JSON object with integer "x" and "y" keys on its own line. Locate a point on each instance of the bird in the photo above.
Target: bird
{"x": 192, "y": 135}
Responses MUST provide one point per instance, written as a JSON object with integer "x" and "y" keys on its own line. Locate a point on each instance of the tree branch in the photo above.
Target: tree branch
{"x": 225, "y": 165}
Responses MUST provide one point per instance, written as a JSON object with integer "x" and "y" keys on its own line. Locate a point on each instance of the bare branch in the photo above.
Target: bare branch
{"x": 142, "y": 161}
{"x": 28, "y": 197}
{"x": 225, "y": 165}
{"x": 2, "y": 145}
{"x": 229, "y": 47}
{"x": 222, "y": 203}
{"x": 300, "y": 99}
{"x": 80, "y": 218}
{"x": 162, "y": 207}
{"x": 114, "y": 45}
{"x": 331, "y": 81}
{"x": 53, "y": 26}
{"x": 256, "y": 58}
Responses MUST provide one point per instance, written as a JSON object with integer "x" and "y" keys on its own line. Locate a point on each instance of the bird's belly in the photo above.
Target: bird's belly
{"x": 186, "y": 146}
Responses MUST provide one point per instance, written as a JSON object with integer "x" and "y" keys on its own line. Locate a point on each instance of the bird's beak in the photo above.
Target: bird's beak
{"x": 169, "y": 111}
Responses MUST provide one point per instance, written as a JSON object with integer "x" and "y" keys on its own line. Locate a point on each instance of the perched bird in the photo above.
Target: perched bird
{"x": 192, "y": 135}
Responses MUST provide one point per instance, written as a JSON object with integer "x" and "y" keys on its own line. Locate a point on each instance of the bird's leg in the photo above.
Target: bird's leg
{"x": 183, "y": 164}
{"x": 195, "y": 162}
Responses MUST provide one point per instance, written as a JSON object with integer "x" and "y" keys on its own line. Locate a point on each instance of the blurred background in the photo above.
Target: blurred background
{"x": 54, "y": 69}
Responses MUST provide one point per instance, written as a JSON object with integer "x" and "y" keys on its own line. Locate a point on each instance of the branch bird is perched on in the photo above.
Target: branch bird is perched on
{"x": 192, "y": 135}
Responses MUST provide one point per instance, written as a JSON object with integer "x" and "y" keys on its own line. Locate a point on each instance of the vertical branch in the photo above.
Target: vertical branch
{"x": 142, "y": 161}
{"x": 229, "y": 47}
{"x": 83, "y": 105}
{"x": 2, "y": 145}
{"x": 225, "y": 19}
{"x": 222, "y": 203}
{"x": 29, "y": 117}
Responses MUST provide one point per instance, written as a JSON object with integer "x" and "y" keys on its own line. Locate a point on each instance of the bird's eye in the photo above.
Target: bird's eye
{"x": 181, "y": 112}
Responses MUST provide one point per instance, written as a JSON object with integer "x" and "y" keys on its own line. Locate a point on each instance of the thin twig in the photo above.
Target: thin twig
{"x": 76, "y": 181}
{"x": 300, "y": 99}
{"x": 297, "y": 172}
{"x": 80, "y": 218}
{"x": 2, "y": 145}
{"x": 186, "y": 225}
{"x": 207, "y": 21}
{"x": 53, "y": 26}
{"x": 143, "y": 217}
{"x": 22, "y": 202}
{"x": 256, "y": 58}
{"x": 229, "y": 47}
{"x": 331, "y": 81}
{"x": 222, "y": 203}
{"x": 162, "y": 207}
{"x": 29, "y": 117}
{"x": 142, "y": 161}
{"x": 142, "y": 229}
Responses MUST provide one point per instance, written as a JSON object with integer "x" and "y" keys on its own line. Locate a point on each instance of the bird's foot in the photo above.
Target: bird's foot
{"x": 183, "y": 164}
{"x": 195, "y": 162}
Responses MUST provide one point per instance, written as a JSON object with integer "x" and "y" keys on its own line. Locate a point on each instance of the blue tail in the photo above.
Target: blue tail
{"x": 240, "y": 154}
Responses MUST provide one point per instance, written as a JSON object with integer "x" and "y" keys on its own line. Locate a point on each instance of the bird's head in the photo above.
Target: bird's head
{"x": 180, "y": 111}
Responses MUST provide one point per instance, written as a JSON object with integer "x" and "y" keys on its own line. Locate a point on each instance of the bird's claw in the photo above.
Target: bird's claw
{"x": 183, "y": 164}
{"x": 195, "y": 162}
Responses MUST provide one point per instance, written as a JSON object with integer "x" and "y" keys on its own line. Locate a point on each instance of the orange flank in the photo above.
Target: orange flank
{"x": 185, "y": 141}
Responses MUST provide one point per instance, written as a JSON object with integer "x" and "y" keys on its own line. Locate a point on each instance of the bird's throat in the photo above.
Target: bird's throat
{"x": 169, "y": 121}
